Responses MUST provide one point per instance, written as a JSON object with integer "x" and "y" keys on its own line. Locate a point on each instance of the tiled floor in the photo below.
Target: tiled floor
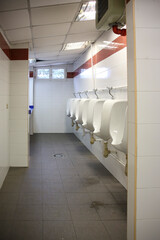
{"x": 62, "y": 198}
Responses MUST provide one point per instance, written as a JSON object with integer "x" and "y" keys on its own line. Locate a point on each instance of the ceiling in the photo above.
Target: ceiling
{"x": 47, "y": 25}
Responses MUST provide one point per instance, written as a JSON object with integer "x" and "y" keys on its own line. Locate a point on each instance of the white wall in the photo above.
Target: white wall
{"x": 4, "y": 115}
{"x": 111, "y": 72}
{"x": 144, "y": 119}
{"x": 19, "y": 113}
{"x": 50, "y": 97}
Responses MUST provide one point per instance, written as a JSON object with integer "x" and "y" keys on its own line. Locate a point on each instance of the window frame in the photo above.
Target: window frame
{"x": 50, "y": 73}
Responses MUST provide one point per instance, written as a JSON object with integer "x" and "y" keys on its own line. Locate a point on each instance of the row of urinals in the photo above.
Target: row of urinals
{"x": 104, "y": 119}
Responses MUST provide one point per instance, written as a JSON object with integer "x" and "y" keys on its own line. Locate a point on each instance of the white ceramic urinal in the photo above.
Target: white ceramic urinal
{"x": 68, "y": 108}
{"x": 81, "y": 110}
{"x": 102, "y": 131}
{"x": 118, "y": 126}
{"x": 88, "y": 123}
{"x": 73, "y": 107}
{"x": 97, "y": 114}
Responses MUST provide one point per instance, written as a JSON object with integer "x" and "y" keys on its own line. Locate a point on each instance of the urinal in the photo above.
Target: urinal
{"x": 88, "y": 123}
{"x": 79, "y": 112}
{"x": 103, "y": 131}
{"x": 118, "y": 126}
{"x": 73, "y": 106}
{"x": 68, "y": 108}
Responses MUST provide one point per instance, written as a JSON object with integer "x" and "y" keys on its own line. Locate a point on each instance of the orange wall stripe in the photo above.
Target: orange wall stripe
{"x": 120, "y": 43}
{"x": 13, "y": 54}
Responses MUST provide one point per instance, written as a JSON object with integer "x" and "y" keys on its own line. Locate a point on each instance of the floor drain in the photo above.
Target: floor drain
{"x": 58, "y": 155}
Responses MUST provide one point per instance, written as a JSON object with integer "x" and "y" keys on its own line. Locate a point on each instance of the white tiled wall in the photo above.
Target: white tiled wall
{"x": 148, "y": 56}
{"x": 50, "y": 97}
{"x": 147, "y": 60}
{"x": 4, "y": 116}
{"x": 111, "y": 72}
{"x": 19, "y": 113}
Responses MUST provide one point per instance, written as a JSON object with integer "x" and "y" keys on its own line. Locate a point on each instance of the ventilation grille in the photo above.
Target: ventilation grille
{"x": 102, "y": 8}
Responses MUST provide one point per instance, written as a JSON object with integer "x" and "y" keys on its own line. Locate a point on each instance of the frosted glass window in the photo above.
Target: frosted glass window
{"x": 43, "y": 73}
{"x": 58, "y": 73}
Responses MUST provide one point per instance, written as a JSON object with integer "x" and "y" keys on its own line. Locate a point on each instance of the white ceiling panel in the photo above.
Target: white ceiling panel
{"x": 82, "y": 37}
{"x": 48, "y": 48}
{"x": 38, "y": 3}
{"x": 51, "y": 30}
{"x": 69, "y": 52}
{"x": 49, "y": 54}
{"x": 41, "y": 42}
{"x": 54, "y": 14}
{"x": 14, "y": 19}
{"x": 82, "y": 27}
{"x": 6, "y": 5}
{"x": 19, "y": 34}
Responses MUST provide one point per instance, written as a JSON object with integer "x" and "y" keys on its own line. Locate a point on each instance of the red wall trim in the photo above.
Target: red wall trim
{"x": 120, "y": 43}
{"x": 19, "y": 54}
{"x": 13, "y": 54}
{"x": 70, "y": 75}
{"x": 31, "y": 74}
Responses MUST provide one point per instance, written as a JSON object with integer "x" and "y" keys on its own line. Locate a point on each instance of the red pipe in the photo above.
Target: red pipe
{"x": 116, "y": 30}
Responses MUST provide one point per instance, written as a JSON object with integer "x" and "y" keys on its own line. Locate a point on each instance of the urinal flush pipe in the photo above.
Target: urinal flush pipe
{"x": 118, "y": 31}
{"x": 92, "y": 139}
{"x": 77, "y": 126}
{"x": 106, "y": 150}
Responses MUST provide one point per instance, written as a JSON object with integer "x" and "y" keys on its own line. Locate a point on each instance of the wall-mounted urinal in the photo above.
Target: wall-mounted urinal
{"x": 93, "y": 115}
{"x": 80, "y": 112}
{"x": 118, "y": 126}
{"x": 103, "y": 131}
{"x": 68, "y": 108}
{"x": 73, "y": 106}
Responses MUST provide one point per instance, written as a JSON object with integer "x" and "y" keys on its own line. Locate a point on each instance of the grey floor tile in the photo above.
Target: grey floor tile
{"x": 104, "y": 198}
{"x": 97, "y": 188}
{"x": 56, "y": 212}
{"x": 7, "y": 212}
{"x": 11, "y": 186}
{"x": 74, "y": 187}
{"x": 26, "y": 230}
{"x": 31, "y": 186}
{"x": 28, "y": 212}
{"x": 75, "y": 179}
{"x": 68, "y": 171}
{"x": 30, "y": 198}
{"x": 116, "y": 229}
{"x": 53, "y": 177}
{"x": 115, "y": 187}
{"x": 120, "y": 197}
{"x": 15, "y": 171}
{"x": 78, "y": 198}
{"x": 83, "y": 213}
{"x": 58, "y": 230}
{"x": 5, "y": 229}
{"x": 54, "y": 198}
{"x": 91, "y": 230}
{"x": 8, "y": 198}
{"x": 112, "y": 212}
{"x": 49, "y": 171}
{"x": 52, "y": 187}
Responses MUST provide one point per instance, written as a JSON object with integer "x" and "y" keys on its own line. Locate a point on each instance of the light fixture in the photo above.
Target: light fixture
{"x": 32, "y": 60}
{"x": 87, "y": 11}
{"x": 76, "y": 45}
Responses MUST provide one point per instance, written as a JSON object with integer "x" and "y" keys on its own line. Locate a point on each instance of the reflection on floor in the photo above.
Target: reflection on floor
{"x": 62, "y": 197}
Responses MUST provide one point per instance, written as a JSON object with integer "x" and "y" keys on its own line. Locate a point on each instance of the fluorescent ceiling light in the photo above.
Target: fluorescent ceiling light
{"x": 87, "y": 11}
{"x": 76, "y": 45}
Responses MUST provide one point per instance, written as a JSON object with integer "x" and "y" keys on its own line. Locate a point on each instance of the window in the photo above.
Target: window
{"x": 43, "y": 73}
{"x": 58, "y": 73}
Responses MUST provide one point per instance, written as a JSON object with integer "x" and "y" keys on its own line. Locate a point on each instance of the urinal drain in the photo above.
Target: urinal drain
{"x": 58, "y": 155}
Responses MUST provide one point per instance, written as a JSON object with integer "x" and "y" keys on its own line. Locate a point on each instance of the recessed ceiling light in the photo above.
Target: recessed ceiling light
{"x": 87, "y": 11}
{"x": 76, "y": 45}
